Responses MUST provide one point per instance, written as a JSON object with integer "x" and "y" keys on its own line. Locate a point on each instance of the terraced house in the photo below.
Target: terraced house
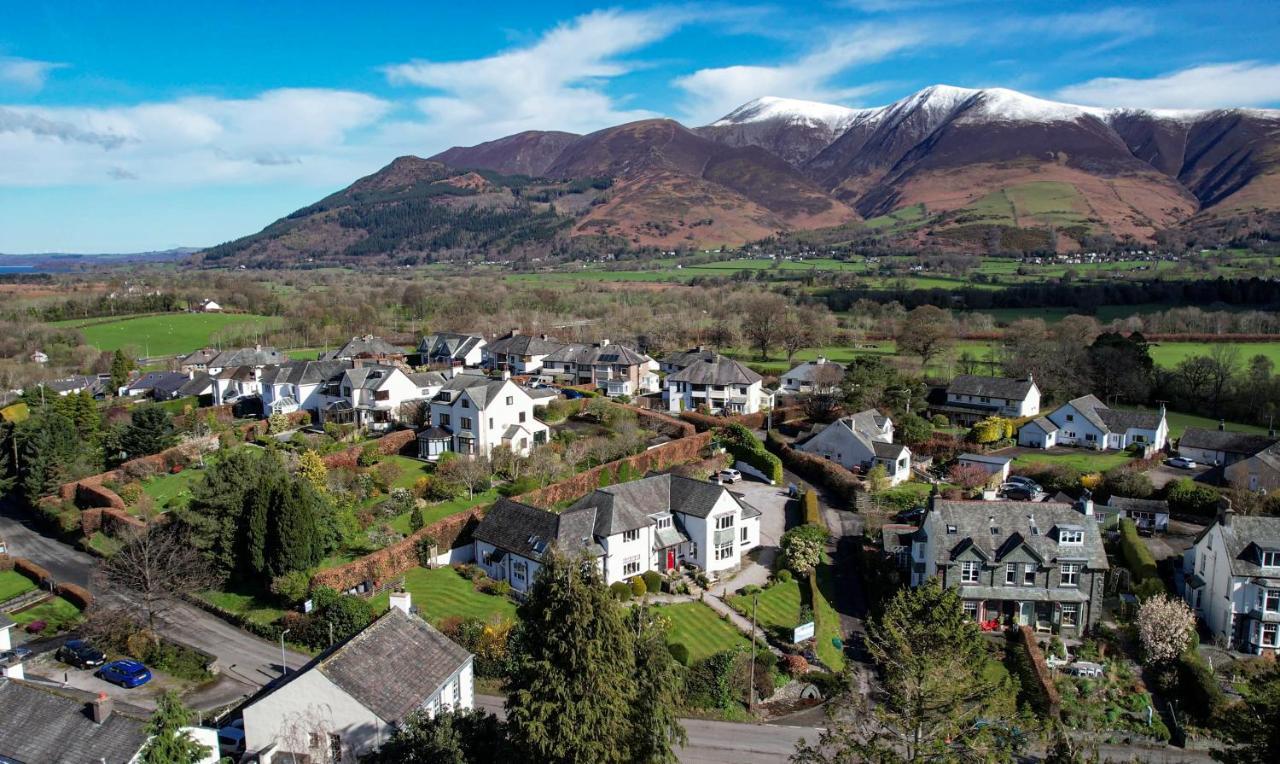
{"x": 1232, "y": 581}
{"x": 656, "y": 523}
{"x": 618, "y": 369}
{"x": 1038, "y": 564}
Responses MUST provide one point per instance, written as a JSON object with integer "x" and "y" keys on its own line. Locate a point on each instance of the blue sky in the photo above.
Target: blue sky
{"x": 141, "y": 125}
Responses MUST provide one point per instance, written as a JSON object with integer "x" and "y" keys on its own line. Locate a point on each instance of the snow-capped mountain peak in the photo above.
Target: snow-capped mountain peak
{"x": 793, "y": 110}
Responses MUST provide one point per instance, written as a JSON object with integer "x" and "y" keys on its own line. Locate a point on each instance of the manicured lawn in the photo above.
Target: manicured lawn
{"x": 440, "y": 593}
{"x": 779, "y": 607}
{"x": 12, "y": 584}
{"x": 410, "y": 470}
{"x": 58, "y": 613}
{"x": 1085, "y": 461}
{"x": 442, "y": 510}
{"x": 828, "y": 620}
{"x": 1178, "y": 422}
{"x": 250, "y": 606}
{"x": 700, "y": 629}
{"x": 172, "y": 491}
{"x": 164, "y": 334}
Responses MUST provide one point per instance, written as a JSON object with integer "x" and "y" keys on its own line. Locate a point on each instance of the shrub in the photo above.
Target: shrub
{"x": 424, "y": 547}
{"x": 939, "y": 420}
{"x": 652, "y": 581}
{"x": 679, "y": 652}
{"x": 1202, "y": 696}
{"x": 812, "y": 510}
{"x": 620, "y": 590}
{"x": 795, "y": 665}
{"x": 1127, "y": 482}
{"x": 499, "y": 588}
{"x": 638, "y": 587}
{"x": 747, "y": 448}
{"x": 1188, "y": 497}
{"x": 292, "y": 587}
{"x": 783, "y": 576}
{"x": 130, "y": 493}
{"x": 749, "y": 590}
{"x": 368, "y": 455}
{"x": 1136, "y": 555}
{"x": 802, "y": 548}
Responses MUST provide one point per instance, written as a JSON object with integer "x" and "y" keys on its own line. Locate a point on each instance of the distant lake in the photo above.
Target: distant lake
{"x": 17, "y": 269}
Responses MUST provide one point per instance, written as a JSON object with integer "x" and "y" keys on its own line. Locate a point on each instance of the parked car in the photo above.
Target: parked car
{"x": 1019, "y": 492}
{"x": 231, "y": 739}
{"x": 910, "y": 515}
{"x": 126, "y": 673}
{"x": 80, "y": 654}
{"x": 1182, "y": 462}
{"x": 729, "y": 476}
{"x": 18, "y": 654}
{"x": 1028, "y": 482}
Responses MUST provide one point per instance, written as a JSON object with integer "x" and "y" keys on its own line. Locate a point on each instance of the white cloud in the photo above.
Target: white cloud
{"x": 556, "y": 83}
{"x": 288, "y": 134}
{"x": 712, "y": 93}
{"x": 26, "y": 73}
{"x": 1244, "y": 83}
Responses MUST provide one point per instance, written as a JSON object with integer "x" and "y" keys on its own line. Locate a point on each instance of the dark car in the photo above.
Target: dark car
{"x": 125, "y": 673}
{"x": 910, "y": 515}
{"x": 81, "y": 654}
{"x": 17, "y": 654}
{"x": 1019, "y": 492}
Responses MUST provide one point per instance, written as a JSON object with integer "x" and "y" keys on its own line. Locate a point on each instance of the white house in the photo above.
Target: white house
{"x": 722, "y": 385}
{"x": 1090, "y": 423}
{"x": 618, "y": 369}
{"x": 1148, "y": 514}
{"x": 210, "y": 306}
{"x": 301, "y": 385}
{"x": 997, "y": 466}
{"x": 1232, "y": 581}
{"x": 656, "y": 523}
{"x": 518, "y": 353}
{"x": 812, "y": 376}
{"x": 859, "y": 442}
{"x": 349, "y": 699}
{"x": 374, "y": 396}
{"x": 237, "y": 373}
{"x": 452, "y": 349}
{"x": 473, "y": 414}
{"x": 971, "y": 397}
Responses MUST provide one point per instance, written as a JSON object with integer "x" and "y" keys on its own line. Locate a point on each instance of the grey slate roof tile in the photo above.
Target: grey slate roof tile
{"x": 43, "y": 725}
{"x": 990, "y": 387}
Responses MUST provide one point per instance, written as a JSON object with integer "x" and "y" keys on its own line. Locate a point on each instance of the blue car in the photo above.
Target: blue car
{"x": 125, "y": 673}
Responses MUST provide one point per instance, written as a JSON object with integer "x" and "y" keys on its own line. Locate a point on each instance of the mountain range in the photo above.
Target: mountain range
{"x": 944, "y": 167}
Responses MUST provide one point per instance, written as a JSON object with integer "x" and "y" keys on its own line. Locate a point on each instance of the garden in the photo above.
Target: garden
{"x": 14, "y": 584}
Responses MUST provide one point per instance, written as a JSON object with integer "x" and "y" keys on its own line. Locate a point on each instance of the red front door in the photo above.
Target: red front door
{"x": 671, "y": 559}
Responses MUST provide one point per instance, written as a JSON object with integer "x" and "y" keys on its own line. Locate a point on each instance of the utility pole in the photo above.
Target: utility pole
{"x": 751, "y": 688}
{"x": 284, "y": 666}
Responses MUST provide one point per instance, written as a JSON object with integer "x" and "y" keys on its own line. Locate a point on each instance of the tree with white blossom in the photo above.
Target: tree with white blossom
{"x": 1165, "y": 625}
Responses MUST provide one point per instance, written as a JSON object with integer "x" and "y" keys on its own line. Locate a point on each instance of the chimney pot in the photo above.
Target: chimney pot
{"x": 1225, "y": 512}
{"x": 100, "y": 708}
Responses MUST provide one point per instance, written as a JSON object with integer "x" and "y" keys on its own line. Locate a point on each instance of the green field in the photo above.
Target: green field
{"x": 1085, "y": 461}
{"x": 163, "y": 334}
{"x": 440, "y": 593}
{"x": 249, "y": 606}
{"x": 1179, "y": 421}
{"x": 701, "y": 630}
{"x": 1168, "y": 354}
{"x": 13, "y": 584}
{"x": 779, "y": 608}
{"x": 57, "y": 613}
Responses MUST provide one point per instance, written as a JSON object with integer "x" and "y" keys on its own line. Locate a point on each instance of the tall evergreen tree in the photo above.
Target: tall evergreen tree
{"x": 295, "y": 539}
{"x": 121, "y": 365}
{"x": 218, "y": 504}
{"x": 169, "y": 742}
{"x": 150, "y": 431}
{"x": 573, "y": 685}
{"x": 451, "y": 737}
{"x": 48, "y": 449}
{"x": 659, "y": 691}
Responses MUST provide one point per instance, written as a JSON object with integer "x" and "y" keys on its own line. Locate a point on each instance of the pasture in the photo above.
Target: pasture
{"x": 163, "y": 333}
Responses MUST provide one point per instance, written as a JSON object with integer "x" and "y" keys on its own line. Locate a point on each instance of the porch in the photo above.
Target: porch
{"x": 1043, "y": 614}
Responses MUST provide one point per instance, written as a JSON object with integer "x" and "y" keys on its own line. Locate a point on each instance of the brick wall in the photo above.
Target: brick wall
{"x": 751, "y": 421}
{"x": 388, "y": 445}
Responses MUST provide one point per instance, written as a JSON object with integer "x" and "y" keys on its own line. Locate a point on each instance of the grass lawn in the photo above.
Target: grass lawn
{"x": 1168, "y": 354}
{"x": 58, "y": 613}
{"x": 1085, "y": 461}
{"x": 434, "y": 512}
{"x": 164, "y": 334}
{"x": 700, "y": 629}
{"x": 104, "y": 544}
{"x": 172, "y": 491}
{"x": 13, "y": 583}
{"x": 441, "y": 592}
{"x": 828, "y": 620}
{"x": 410, "y": 470}
{"x": 1178, "y": 422}
{"x": 250, "y": 606}
{"x": 779, "y": 609}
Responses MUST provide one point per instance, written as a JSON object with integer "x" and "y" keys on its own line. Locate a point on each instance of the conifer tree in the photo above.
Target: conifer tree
{"x": 169, "y": 742}
{"x": 659, "y": 691}
{"x": 121, "y": 365}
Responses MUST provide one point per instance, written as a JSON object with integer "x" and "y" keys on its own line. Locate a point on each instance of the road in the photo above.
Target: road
{"x": 712, "y": 742}
{"x": 245, "y": 662}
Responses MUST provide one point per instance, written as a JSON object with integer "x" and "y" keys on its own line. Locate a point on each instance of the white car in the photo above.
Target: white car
{"x": 1182, "y": 462}
{"x": 729, "y": 476}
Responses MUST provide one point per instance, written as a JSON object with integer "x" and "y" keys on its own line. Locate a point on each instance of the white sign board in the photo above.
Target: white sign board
{"x": 802, "y": 632}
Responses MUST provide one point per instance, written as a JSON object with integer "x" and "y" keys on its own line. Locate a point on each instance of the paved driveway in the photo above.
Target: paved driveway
{"x": 1164, "y": 474}
{"x": 772, "y": 502}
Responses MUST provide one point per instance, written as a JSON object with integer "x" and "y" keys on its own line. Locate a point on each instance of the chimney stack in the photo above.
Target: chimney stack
{"x": 401, "y": 601}
{"x": 1086, "y": 503}
{"x": 1225, "y": 512}
{"x": 100, "y": 708}
{"x": 821, "y": 360}
{"x": 933, "y": 498}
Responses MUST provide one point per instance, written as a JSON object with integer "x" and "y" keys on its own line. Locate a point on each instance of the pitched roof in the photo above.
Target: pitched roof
{"x": 1045, "y": 424}
{"x": 199, "y": 384}
{"x": 523, "y": 344}
{"x": 254, "y": 356}
{"x": 588, "y": 355}
{"x": 1225, "y": 440}
{"x": 974, "y": 520}
{"x": 627, "y": 506}
{"x": 478, "y": 387}
{"x": 719, "y": 371}
{"x": 1120, "y": 420}
{"x": 67, "y": 384}
{"x": 449, "y": 344}
{"x": 887, "y": 450}
{"x": 166, "y": 381}
{"x": 201, "y": 356}
{"x": 427, "y": 379}
{"x": 529, "y": 531}
{"x": 45, "y": 724}
{"x": 367, "y": 345}
{"x": 990, "y": 387}
{"x": 1142, "y": 505}
{"x": 304, "y": 372}
{"x": 805, "y": 371}
{"x": 369, "y": 377}
{"x": 1244, "y": 537}
{"x": 393, "y": 665}
{"x": 986, "y": 459}
{"x": 685, "y": 357}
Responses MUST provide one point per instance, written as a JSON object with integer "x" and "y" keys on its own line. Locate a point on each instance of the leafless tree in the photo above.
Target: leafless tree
{"x": 158, "y": 564}
{"x": 927, "y": 332}
{"x": 543, "y": 465}
{"x": 762, "y": 319}
{"x": 469, "y": 472}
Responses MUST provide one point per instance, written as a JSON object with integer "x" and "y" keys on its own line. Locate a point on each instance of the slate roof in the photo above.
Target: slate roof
{"x": 393, "y": 665}
{"x": 627, "y": 506}
{"x": 41, "y": 724}
{"x": 985, "y": 459}
{"x": 427, "y": 379}
{"x": 1126, "y": 503}
{"x": 365, "y": 346}
{"x": 529, "y": 531}
{"x": 1244, "y": 537}
{"x": 368, "y": 377}
{"x": 166, "y": 381}
{"x": 804, "y": 372}
{"x": 887, "y": 450}
{"x": 686, "y": 357}
{"x": 1045, "y": 424}
{"x": 201, "y": 356}
{"x": 254, "y": 356}
{"x": 67, "y": 384}
{"x": 1225, "y": 441}
{"x": 304, "y": 372}
{"x": 523, "y": 344}
{"x": 449, "y": 344}
{"x": 720, "y": 371}
{"x": 199, "y": 384}
{"x": 589, "y": 355}
{"x": 973, "y": 523}
{"x": 894, "y": 536}
{"x": 477, "y": 386}
{"x": 1114, "y": 420}
{"x": 990, "y": 387}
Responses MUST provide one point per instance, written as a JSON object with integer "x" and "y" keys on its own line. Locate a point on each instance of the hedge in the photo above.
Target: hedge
{"x": 746, "y": 447}
{"x": 1202, "y": 696}
{"x": 1037, "y": 683}
{"x": 825, "y": 472}
{"x": 1136, "y": 555}
{"x": 812, "y": 511}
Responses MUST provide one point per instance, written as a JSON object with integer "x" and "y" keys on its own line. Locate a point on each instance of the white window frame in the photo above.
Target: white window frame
{"x": 1011, "y": 574}
{"x": 1275, "y": 635}
{"x": 970, "y": 572}
{"x": 724, "y": 522}
{"x": 520, "y": 570}
{"x": 724, "y": 551}
{"x": 970, "y": 609}
{"x": 631, "y": 535}
{"x": 1070, "y": 615}
{"x": 1070, "y": 574}
{"x": 631, "y": 566}
{"x": 1272, "y": 557}
{"x": 1070, "y": 537}
{"x": 1029, "y": 572}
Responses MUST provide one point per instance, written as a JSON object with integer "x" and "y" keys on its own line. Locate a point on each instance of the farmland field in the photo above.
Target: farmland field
{"x": 1168, "y": 354}
{"x": 160, "y": 334}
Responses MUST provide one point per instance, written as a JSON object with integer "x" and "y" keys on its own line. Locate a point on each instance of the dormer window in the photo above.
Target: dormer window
{"x": 1270, "y": 558}
{"x": 1070, "y": 536}
{"x": 995, "y": 530}
{"x": 969, "y": 572}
